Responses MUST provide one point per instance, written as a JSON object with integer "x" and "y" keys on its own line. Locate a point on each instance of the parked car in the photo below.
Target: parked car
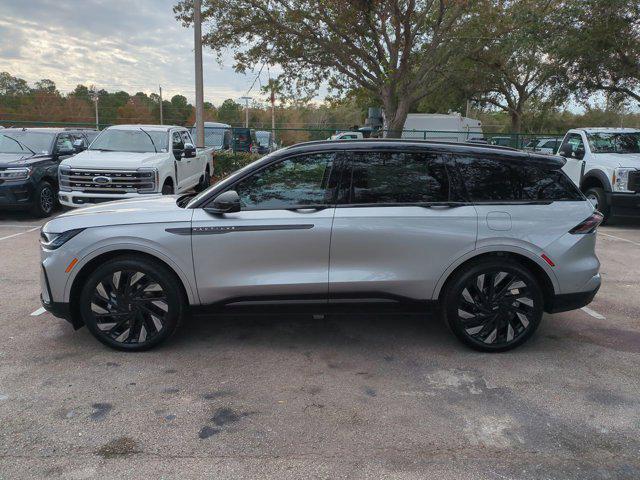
{"x": 605, "y": 164}
{"x": 29, "y": 159}
{"x": 548, "y": 145}
{"x": 441, "y": 127}
{"x": 244, "y": 140}
{"x": 501, "y": 141}
{"x": 347, "y": 136}
{"x": 219, "y": 136}
{"x": 135, "y": 161}
{"x": 491, "y": 237}
{"x": 266, "y": 143}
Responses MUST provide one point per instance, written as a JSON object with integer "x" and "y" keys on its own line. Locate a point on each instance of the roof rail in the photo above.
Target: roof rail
{"x": 409, "y": 140}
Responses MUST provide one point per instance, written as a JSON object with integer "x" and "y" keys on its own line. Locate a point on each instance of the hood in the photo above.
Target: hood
{"x": 20, "y": 159}
{"x": 156, "y": 209}
{"x": 631, "y": 160}
{"x": 114, "y": 160}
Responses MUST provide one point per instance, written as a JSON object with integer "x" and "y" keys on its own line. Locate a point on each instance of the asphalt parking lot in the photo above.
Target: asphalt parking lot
{"x": 343, "y": 397}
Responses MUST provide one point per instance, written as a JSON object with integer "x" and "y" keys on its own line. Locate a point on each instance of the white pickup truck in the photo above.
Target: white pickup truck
{"x": 134, "y": 161}
{"x": 605, "y": 164}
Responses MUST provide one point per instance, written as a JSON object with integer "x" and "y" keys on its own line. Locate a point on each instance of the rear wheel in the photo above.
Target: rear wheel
{"x": 132, "y": 304}
{"x": 493, "y": 305}
{"x": 44, "y": 200}
{"x": 598, "y": 198}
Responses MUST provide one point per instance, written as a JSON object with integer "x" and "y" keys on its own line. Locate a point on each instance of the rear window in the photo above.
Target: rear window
{"x": 388, "y": 177}
{"x": 488, "y": 180}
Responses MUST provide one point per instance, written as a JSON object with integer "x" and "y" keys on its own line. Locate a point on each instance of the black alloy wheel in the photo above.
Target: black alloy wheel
{"x": 494, "y": 306}
{"x": 131, "y": 304}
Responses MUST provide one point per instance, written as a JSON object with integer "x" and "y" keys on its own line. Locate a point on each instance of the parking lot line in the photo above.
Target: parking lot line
{"x": 19, "y": 233}
{"x": 39, "y": 311}
{"x": 620, "y": 238}
{"x": 593, "y": 313}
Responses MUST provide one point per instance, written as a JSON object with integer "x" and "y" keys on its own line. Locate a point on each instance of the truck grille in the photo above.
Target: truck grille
{"x": 634, "y": 181}
{"x": 106, "y": 181}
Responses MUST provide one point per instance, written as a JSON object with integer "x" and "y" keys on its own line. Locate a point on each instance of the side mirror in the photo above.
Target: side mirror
{"x": 580, "y": 153}
{"x": 189, "y": 151}
{"x": 79, "y": 146}
{"x": 227, "y": 202}
{"x": 565, "y": 151}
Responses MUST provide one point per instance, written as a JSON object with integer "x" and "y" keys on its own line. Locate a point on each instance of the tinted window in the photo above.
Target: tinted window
{"x": 572, "y": 143}
{"x": 389, "y": 177}
{"x": 64, "y": 143}
{"x": 186, "y": 138}
{"x": 177, "y": 142}
{"x": 294, "y": 182}
{"x": 495, "y": 180}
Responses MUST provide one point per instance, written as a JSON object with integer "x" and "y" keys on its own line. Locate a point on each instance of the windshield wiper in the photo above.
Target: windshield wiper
{"x": 20, "y": 144}
{"x": 152, "y": 143}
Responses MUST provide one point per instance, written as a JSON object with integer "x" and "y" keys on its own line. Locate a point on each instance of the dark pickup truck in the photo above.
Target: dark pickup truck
{"x": 29, "y": 159}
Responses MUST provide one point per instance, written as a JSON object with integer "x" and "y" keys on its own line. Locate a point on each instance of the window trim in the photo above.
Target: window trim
{"x": 335, "y": 169}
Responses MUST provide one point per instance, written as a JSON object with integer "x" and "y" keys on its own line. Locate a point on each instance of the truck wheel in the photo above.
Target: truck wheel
{"x": 492, "y": 305}
{"x": 44, "y": 200}
{"x": 131, "y": 303}
{"x": 597, "y": 196}
{"x": 205, "y": 182}
{"x": 167, "y": 189}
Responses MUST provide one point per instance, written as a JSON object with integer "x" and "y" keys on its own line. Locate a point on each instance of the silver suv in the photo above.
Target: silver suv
{"x": 490, "y": 236}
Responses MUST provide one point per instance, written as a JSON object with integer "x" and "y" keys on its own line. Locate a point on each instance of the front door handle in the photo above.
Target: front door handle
{"x": 308, "y": 209}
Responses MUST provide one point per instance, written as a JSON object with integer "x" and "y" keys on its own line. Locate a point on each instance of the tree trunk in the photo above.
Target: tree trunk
{"x": 396, "y": 114}
{"x": 516, "y": 121}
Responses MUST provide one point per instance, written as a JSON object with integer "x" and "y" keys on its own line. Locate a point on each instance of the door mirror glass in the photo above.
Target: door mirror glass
{"x": 227, "y": 202}
{"x": 565, "y": 150}
{"x": 579, "y": 154}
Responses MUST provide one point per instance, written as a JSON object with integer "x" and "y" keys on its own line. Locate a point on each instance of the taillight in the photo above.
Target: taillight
{"x": 589, "y": 225}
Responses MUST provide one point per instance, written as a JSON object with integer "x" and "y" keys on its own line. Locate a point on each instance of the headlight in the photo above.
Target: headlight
{"x": 621, "y": 179}
{"x": 64, "y": 183}
{"x": 13, "y": 174}
{"x": 52, "y": 241}
{"x": 148, "y": 180}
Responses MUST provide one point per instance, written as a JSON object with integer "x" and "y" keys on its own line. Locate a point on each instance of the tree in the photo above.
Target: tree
{"x": 46, "y": 86}
{"x": 393, "y": 49}
{"x": 12, "y": 86}
{"x": 230, "y": 112}
{"x": 603, "y": 46}
{"x": 513, "y": 64}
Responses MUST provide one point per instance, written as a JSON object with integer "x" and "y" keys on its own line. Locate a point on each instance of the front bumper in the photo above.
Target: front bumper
{"x": 624, "y": 204}
{"x": 16, "y": 194}
{"x": 57, "y": 309}
{"x": 75, "y": 199}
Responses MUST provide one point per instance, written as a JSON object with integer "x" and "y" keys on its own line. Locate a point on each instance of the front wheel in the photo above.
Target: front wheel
{"x": 132, "y": 304}
{"x": 44, "y": 200}
{"x": 493, "y": 305}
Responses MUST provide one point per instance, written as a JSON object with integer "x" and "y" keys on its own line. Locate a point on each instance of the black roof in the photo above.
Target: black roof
{"x": 47, "y": 129}
{"x": 495, "y": 151}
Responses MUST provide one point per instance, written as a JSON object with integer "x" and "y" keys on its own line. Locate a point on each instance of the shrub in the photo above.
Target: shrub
{"x": 227, "y": 162}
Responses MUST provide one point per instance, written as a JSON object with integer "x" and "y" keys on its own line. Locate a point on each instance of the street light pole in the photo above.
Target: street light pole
{"x": 94, "y": 97}
{"x": 246, "y": 111}
{"x": 197, "y": 37}
{"x": 161, "y": 112}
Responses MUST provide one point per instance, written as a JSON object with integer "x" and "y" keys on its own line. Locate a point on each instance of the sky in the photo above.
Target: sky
{"x": 131, "y": 45}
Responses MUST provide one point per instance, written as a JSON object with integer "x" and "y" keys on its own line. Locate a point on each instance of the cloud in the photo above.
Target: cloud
{"x": 113, "y": 44}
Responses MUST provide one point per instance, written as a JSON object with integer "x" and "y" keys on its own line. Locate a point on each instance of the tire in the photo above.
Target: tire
{"x": 44, "y": 200}
{"x": 205, "y": 182}
{"x": 137, "y": 314}
{"x": 167, "y": 189}
{"x": 492, "y": 319}
{"x": 597, "y": 196}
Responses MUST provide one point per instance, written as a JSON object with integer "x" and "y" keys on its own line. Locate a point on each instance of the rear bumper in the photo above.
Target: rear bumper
{"x": 624, "y": 204}
{"x": 16, "y": 195}
{"x": 571, "y": 301}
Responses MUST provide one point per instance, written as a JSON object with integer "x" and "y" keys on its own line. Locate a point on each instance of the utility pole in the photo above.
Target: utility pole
{"x": 197, "y": 37}
{"x": 273, "y": 116}
{"x": 161, "y": 113}
{"x": 246, "y": 113}
{"x": 94, "y": 97}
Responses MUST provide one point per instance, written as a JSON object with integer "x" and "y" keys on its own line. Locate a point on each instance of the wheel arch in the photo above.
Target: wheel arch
{"x": 595, "y": 178}
{"x": 535, "y": 265}
{"x": 74, "y": 285}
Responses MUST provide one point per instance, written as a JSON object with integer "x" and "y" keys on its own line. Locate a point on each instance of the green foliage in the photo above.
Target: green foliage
{"x": 227, "y": 162}
{"x": 230, "y": 112}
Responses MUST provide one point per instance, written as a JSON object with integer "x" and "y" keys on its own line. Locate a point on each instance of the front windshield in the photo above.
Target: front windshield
{"x": 263, "y": 138}
{"x": 138, "y": 141}
{"x": 213, "y": 136}
{"x": 611, "y": 142}
{"x": 25, "y": 141}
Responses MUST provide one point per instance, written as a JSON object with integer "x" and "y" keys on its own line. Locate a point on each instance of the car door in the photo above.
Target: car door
{"x": 277, "y": 246}
{"x": 182, "y": 166}
{"x": 398, "y": 225}
{"x": 196, "y": 168}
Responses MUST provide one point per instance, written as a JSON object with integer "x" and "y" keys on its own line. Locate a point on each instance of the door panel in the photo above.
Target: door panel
{"x": 401, "y": 227}
{"x": 397, "y": 250}
{"x": 278, "y": 244}
{"x": 270, "y": 253}
{"x": 183, "y": 168}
